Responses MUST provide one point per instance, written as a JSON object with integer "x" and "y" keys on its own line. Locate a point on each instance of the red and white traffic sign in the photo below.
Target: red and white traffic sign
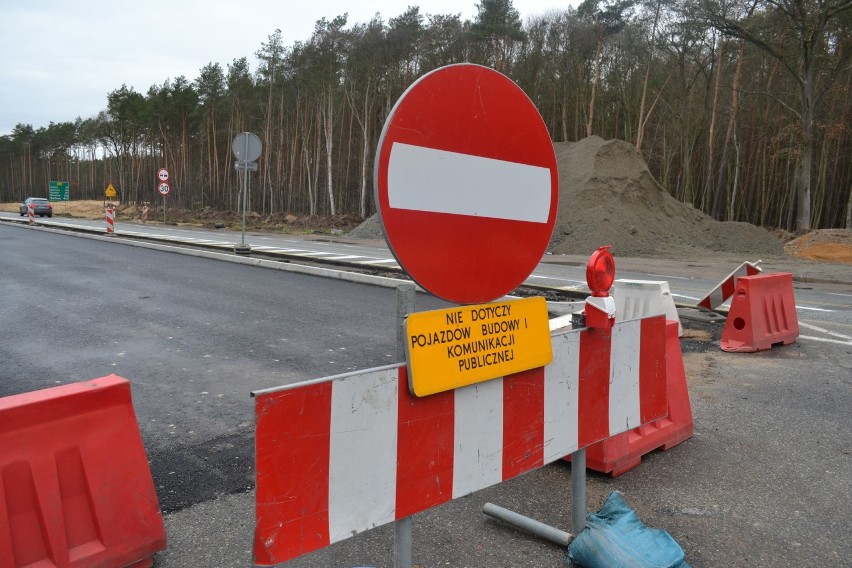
{"x": 163, "y": 188}
{"x": 466, "y": 183}
{"x": 163, "y": 174}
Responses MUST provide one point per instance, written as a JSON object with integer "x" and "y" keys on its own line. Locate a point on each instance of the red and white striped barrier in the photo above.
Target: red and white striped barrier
{"x": 110, "y": 220}
{"x": 721, "y": 293}
{"x": 341, "y": 455}
{"x": 31, "y": 213}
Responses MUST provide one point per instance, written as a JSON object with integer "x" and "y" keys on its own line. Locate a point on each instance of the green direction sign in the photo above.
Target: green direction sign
{"x": 59, "y": 191}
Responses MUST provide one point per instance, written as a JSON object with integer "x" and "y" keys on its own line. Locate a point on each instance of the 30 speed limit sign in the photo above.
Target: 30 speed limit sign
{"x": 163, "y": 188}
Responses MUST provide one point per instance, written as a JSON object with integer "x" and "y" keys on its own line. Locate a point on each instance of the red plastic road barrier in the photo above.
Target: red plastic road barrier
{"x": 110, "y": 220}
{"x": 762, "y": 314}
{"x": 31, "y": 213}
{"x": 75, "y": 487}
{"x": 623, "y": 452}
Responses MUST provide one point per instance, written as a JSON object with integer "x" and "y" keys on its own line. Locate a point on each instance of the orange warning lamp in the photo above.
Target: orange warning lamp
{"x": 600, "y": 272}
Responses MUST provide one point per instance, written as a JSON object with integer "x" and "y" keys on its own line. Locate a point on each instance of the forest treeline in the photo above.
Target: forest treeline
{"x": 741, "y": 108}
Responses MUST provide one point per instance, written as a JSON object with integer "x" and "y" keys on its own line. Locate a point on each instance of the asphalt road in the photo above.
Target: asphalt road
{"x": 689, "y": 279}
{"x": 765, "y": 481}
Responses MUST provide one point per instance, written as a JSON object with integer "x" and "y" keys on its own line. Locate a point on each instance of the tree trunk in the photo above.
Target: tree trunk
{"x": 722, "y": 175}
{"x": 711, "y": 136}
{"x": 803, "y": 175}
{"x": 329, "y": 146}
{"x": 595, "y": 85}
{"x": 849, "y": 212}
{"x": 640, "y": 129}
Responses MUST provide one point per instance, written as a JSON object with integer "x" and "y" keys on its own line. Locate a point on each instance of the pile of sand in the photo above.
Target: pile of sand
{"x": 827, "y": 245}
{"x": 607, "y": 196}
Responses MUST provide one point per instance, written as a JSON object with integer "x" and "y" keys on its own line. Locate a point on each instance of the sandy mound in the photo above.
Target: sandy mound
{"x": 607, "y": 196}
{"x": 831, "y": 245}
{"x": 369, "y": 229}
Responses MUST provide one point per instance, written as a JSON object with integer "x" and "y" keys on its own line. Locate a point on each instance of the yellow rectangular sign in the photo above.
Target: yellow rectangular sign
{"x": 456, "y": 347}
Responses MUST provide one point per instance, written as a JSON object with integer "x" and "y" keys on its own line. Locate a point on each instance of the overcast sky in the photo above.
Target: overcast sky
{"x": 60, "y": 59}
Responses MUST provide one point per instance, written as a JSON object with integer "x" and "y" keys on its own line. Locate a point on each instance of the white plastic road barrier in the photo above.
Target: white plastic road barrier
{"x": 636, "y": 299}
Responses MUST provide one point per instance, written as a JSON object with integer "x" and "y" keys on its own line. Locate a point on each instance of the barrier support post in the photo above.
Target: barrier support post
{"x": 547, "y": 532}
{"x": 578, "y": 491}
{"x": 402, "y": 528}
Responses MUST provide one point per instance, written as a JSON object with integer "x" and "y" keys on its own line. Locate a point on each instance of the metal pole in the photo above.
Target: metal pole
{"x": 402, "y": 527}
{"x": 404, "y": 306}
{"x": 164, "y": 209}
{"x": 533, "y": 526}
{"x": 245, "y": 188}
{"x": 578, "y": 491}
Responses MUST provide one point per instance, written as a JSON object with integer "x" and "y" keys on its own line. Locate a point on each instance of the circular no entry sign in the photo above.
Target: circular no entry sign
{"x": 466, "y": 183}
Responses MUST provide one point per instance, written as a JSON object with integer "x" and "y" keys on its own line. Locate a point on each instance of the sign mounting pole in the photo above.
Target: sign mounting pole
{"x": 246, "y": 148}
{"x": 245, "y": 192}
{"x": 163, "y": 188}
{"x": 405, "y": 295}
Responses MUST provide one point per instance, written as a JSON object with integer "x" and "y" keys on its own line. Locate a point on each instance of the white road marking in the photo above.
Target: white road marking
{"x": 825, "y": 331}
{"x": 380, "y": 261}
{"x": 826, "y": 340}
{"x": 687, "y": 297}
{"x": 813, "y": 309}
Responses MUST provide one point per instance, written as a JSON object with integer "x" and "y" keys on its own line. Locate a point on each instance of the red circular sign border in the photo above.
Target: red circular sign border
{"x": 453, "y": 264}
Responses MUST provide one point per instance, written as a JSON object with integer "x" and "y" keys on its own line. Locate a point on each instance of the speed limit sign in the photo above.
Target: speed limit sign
{"x": 163, "y": 188}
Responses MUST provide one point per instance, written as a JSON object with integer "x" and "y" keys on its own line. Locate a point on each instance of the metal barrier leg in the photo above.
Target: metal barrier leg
{"x": 578, "y": 491}
{"x": 533, "y": 526}
{"x": 402, "y": 528}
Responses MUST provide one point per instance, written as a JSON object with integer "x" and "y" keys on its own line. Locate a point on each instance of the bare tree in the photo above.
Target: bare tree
{"x": 811, "y": 57}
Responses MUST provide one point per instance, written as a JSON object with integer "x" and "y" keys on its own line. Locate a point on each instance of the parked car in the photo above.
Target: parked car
{"x": 42, "y": 206}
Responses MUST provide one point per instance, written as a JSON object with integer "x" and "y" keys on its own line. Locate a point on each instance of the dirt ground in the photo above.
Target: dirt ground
{"x": 207, "y": 217}
{"x": 828, "y": 245}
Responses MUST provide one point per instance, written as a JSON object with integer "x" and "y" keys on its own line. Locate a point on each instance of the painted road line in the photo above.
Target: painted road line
{"x": 315, "y": 253}
{"x": 666, "y": 276}
{"x": 380, "y": 261}
{"x": 685, "y": 297}
{"x": 827, "y": 332}
{"x": 813, "y": 309}
{"x": 826, "y": 340}
{"x": 438, "y": 181}
{"x": 556, "y": 278}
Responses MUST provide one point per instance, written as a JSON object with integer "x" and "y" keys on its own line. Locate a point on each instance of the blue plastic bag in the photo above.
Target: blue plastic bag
{"x": 614, "y": 537}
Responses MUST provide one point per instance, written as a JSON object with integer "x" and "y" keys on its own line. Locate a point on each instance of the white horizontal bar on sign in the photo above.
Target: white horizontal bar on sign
{"x": 437, "y": 181}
